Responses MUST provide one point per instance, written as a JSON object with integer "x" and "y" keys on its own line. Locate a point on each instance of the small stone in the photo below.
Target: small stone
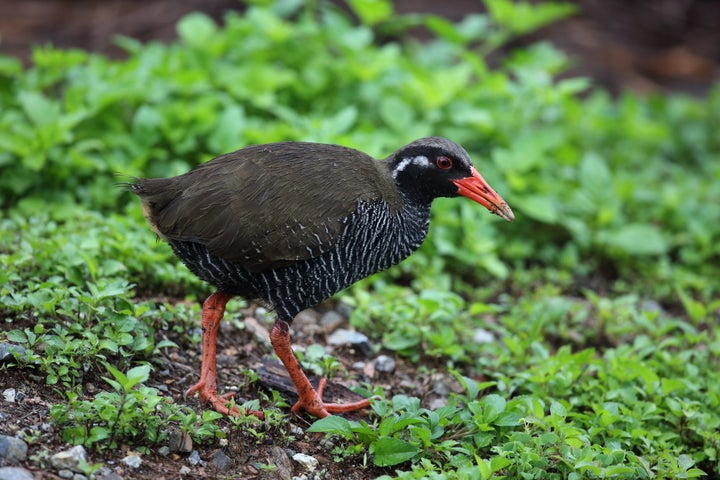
{"x": 106, "y": 473}
{"x": 297, "y": 431}
{"x": 69, "y": 459}
{"x": 438, "y": 403}
{"x": 184, "y": 470}
{"x": 344, "y": 309}
{"x": 327, "y": 444}
{"x": 343, "y": 336}
{"x": 132, "y": 460}
{"x": 281, "y": 460}
{"x": 386, "y": 364}
{"x": 164, "y": 451}
{"x": 258, "y": 330}
{"x": 15, "y": 473}
{"x": 220, "y": 461}
{"x": 12, "y": 449}
{"x": 651, "y": 306}
{"x": 331, "y": 320}
{"x": 261, "y": 313}
{"x": 179, "y": 441}
{"x": 65, "y": 473}
{"x": 9, "y": 395}
{"x": 79, "y": 476}
{"x": 11, "y": 353}
{"x": 483, "y": 336}
{"x": 194, "y": 459}
{"x": 308, "y": 462}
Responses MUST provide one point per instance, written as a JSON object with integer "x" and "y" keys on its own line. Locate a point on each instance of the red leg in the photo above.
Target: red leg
{"x": 309, "y": 399}
{"x": 212, "y": 313}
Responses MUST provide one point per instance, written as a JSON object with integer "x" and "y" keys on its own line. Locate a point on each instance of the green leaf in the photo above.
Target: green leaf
{"x": 137, "y": 375}
{"x": 397, "y": 114}
{"x": 332, "y": 424}
{"x": 540, "y": 207}
{"x": 390, "y": 451}
{"x": 493, "y": 405}
{"x": 636, "y": 239}
{"x": 40, "y": 110}
{"x": 508, "y": 419}
{"x": 196, "y": 29}
{"x": 372, "y": 12}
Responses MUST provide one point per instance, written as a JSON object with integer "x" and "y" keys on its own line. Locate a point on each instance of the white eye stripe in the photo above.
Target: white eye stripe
{"x": 420, "y": 160}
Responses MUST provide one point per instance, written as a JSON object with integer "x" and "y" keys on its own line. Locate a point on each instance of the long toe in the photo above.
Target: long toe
{"x": 312, "y": 403}
{"x": 219, "y": 402}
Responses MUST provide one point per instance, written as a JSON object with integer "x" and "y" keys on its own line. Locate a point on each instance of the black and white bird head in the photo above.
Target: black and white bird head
{"x": 434, "y": 167}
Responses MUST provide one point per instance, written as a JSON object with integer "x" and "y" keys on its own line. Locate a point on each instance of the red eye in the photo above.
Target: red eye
{"x": 444, "y": 163}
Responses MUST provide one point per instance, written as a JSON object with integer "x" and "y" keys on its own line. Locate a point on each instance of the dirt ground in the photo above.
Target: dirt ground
{"x": 239, "y": 348}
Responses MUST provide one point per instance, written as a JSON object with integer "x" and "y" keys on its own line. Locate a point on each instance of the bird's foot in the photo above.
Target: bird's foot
{"x": 311, "y": 401}
{"x": 219, "y": 402}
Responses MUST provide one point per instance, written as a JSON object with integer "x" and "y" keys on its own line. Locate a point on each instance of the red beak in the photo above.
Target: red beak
{"x": 476, "y": 188}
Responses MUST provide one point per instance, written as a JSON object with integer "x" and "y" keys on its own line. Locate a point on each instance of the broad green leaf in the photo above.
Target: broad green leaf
{"x": 137, "y": 375}
{"x": 636, "y": 239}
{"x": 493, "y": 405}
{"x": 372, "y": 12}
{"x": 390, "y": 451}
{"x": 332, "y": 424}
{"x": 196, "y": 29}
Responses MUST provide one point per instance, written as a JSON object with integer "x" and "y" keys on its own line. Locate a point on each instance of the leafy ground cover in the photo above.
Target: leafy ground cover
{"x": 580, "y": 341}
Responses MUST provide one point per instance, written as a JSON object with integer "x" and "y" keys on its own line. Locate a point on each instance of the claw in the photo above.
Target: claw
{"x": 309, "y": 399}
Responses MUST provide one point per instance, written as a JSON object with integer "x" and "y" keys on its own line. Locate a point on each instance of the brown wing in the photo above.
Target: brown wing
{"x": 267, "y": 206}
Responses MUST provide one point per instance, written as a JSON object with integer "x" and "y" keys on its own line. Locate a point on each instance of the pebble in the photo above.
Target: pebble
{"x": 179, "y": 441}
{"x": 65, "y": 473}
{"x": 343, "y": 336}
{"x": 221, "y": 461}
{"x": 438, "y": 403}
{"x": 164, "y": 451}
{"x": 483, "y": 336}
{"x": 69, "y": 459}
{"x": 263, "y": 315}
{"x": 258, "y": 330}
{"x": 184, "y": 470}
{"x": 651, "y": 306}
{"x": 12, "y": 449}
{"x": 386, "y": 364}
{"x": 106, "y": 473}
{"x": 283, "y": 465}
{"x": 9, "y": 395}
{"x": 327, "y": 444}
{"x": 344, "y": 309}
{"x": 15, "y": 473}
{"x": 308, "y": 462}
{"x": 331, "y": 320}
{"x": 133, "y": 461}
{"x": 194, "y": 459}
{"x": 297, "y": 431}
{"x": 12, "y": 353}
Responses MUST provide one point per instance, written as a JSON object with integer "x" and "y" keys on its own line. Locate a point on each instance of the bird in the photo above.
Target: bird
{"x": 292, "y": 223}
